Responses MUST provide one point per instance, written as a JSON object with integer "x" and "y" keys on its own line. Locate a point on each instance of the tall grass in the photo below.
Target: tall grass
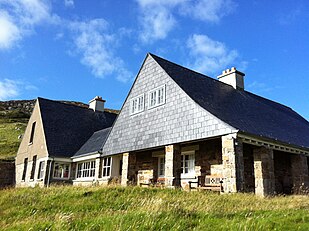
{"x": 134, "y": 208}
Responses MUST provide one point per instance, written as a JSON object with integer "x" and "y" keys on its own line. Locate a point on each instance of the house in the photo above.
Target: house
{"x": 178, "y": 126}
{"x": 55, "y": 132}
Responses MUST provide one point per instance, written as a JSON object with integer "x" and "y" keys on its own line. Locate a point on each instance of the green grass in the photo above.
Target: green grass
{"x": 10, "y": 129}
{"x": 134, "y": 208}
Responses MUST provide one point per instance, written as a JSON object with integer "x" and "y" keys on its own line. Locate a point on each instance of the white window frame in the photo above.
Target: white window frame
{"x": 41, "y": 170}
{"x": 156, "y": 91}
{"x": 85, "y": 169}
{"x": 137, "y": 104}
{"x": 107, "y": 166}
{"x": 161, "y": 166}
{"x": 63, "y": 170}
{"x": 190, "y": 164}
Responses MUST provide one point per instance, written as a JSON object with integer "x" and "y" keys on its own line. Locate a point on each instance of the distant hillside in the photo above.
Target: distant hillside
{"x": 14, "y": 116}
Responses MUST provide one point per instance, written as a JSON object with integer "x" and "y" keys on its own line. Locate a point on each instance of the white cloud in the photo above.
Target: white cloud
{"x": 9, "y": 32}
{"x": 18, "y": 18}
{"x": 208, "y": 10}
{"x": 69, "y": 3}
{"x": 209, "y": 56}
{"x": 158, "y": 17}
{"x": 8, "y": 89}
{"x": 96, "y": 45}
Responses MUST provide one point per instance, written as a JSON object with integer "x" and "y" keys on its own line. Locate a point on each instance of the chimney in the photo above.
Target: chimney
{"x": 97, "y": 104}
{"x": 233, "y": 77}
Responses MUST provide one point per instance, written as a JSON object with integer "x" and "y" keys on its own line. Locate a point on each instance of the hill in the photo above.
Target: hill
{"x": 136, "y": 208}
{"x": 14, "y": 116}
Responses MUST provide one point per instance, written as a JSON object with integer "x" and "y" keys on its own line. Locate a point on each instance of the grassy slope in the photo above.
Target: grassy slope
{"x": 10, "y": 129}
{"x": 116, "y": 208}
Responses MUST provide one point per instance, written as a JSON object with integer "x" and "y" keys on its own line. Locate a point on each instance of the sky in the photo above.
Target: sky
{"x": 78, "y": 49}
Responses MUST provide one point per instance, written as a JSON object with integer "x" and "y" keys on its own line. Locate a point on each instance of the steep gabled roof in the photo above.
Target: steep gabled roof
{"x": 243, "y": 110}
{"x": 95, "y": 143}
{"x": 68, "y": 127}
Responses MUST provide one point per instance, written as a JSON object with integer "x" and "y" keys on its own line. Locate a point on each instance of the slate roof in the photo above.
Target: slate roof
{"x": 67, "y": 127}
{"x": 242, "y": 110}
{"x": 95, "y": 143}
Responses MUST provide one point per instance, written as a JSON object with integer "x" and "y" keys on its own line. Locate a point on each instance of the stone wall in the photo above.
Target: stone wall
{"x": 299, "y": 170}
{"x": 7, "y": 174}
{"x": 283, "y": 175}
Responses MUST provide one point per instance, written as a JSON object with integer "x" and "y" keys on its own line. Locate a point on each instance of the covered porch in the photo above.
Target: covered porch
{"x": 242, "y": 165}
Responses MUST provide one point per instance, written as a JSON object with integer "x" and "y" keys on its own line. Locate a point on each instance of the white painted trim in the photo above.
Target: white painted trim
{"x": 110, "y": 166}
{"x": 83, "y": 158}
{"x": 61, "y": 178}
{"x": 272, "y": 145}
{"x": 61, "y": 159}
{"x": 157, "y": 95}
{"x": 131, "y": 102}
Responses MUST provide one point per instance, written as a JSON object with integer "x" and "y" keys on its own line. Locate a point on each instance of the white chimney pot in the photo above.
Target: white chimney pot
{"x": 233, "y": 77}
{"x": 97, "y": 104}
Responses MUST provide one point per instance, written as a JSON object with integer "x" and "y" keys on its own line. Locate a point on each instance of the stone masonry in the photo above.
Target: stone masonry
{"x": 264, "y": 171}
{"x": 299, "y": 170}
{"x": 232, "y": 161}
{"x": 172, "y": 166}
{"x": 125, "y": 168}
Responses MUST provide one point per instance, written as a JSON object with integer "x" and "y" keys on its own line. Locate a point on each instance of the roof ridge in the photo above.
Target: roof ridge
{"x": 196, "y": 72}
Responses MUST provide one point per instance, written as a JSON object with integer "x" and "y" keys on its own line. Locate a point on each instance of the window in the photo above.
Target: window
{"x": 137, "y": 104}
{"x": 33, "y": 167}
{"x": 86, "y": 169}
{"x": 32, "y": 132}
{"x": 187, "y": 164}
{"x": 161, "y": 166}
{"x": 25, "y": 169}
{"x": 61, "y": 170}
{"x": 41, "y": 170}
{"x": 156, "y": 97}
{"x": 107, "y": 166}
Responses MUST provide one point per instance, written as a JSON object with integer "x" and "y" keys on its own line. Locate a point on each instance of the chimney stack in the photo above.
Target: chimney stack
{"x": 97, "y": 104}
{"x": 233, "y": 77}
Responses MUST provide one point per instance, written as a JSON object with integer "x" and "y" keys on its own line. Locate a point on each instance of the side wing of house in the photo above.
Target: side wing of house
{"x": 32, "y": 155}
{"x": 157, "y": 112}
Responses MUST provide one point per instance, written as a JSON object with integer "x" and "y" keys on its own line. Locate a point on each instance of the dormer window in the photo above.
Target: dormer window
{"x": 137, "y": 104}
{"x": 156, "y": 97}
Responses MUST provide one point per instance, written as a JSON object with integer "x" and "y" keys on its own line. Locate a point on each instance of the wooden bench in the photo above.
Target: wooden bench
{"x": 209, "y": 182}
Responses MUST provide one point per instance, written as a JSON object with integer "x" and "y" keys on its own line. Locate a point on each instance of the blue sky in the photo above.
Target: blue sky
{"x": 77, "y": 49}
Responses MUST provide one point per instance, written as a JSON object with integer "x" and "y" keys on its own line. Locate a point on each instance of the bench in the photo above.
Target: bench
{"x": 209, "y": 183}
{"x": 159, "y": 182}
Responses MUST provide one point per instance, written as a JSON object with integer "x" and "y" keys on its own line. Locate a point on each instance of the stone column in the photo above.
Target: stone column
{"x": 299, "y": 170}
{"x": 233, "y": 164}
{"x": 125, "y": 169}
{"x": 264, "y": 171}
{"x": 172, "y": 166}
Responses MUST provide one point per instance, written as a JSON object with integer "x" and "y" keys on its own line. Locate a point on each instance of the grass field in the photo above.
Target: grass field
{"x": 134, "y": 208}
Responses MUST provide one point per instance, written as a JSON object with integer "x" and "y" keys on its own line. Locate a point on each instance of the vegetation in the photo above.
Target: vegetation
{"x": 12, "y": 125}
{"x": 135, "y": 208}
